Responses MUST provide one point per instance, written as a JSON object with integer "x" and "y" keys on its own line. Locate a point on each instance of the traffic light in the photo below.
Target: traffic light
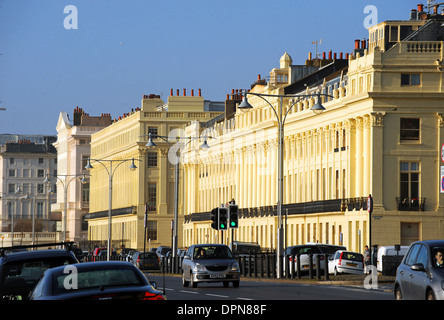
{"x": 234, "y": 216}
{"x": 223, "y": 218}
{"x": 215, "y": 218}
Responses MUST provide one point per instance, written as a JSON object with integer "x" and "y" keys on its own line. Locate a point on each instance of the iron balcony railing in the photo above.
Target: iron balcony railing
{"x": 410, "y": 204}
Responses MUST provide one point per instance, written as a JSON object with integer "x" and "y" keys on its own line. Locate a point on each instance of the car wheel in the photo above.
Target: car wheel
{"x": 185, "y": 283}
{"x": 236, "y": 284}
{"x": 192, "y": 282}
{"x": 398, "y": 293}
{"x": 430, "y": 295}
{"x": 226, "y": 284}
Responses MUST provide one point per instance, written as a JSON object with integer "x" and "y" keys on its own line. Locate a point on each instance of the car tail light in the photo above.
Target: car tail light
{"x": 340, "y": 259}
{"x": 138, "y": 259}
{"x": 152, "y": 296}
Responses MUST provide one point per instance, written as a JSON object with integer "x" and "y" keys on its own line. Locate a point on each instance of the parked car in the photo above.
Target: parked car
{"x": 106, "y": 280}
{"x": 346, "y": 262}
{"x": 127, "y": 253}
{"x": 162, "y": 251}
{"x": 421, "y": 273}
{"x": 310, "y": 248}
{"x": 146, "y": 261}
{"x": 210, "y": 263}
{"x": 20, "y": 271}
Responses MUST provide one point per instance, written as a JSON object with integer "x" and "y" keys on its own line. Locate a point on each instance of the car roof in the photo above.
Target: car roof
{"x": 431, "y": 243}
{"x": 210, "y": 245}
{"x": 85, "y": 266}
{"x": 37, "y": 254}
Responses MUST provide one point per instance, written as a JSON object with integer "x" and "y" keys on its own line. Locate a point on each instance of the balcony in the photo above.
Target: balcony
{"x": 410, "y": 204}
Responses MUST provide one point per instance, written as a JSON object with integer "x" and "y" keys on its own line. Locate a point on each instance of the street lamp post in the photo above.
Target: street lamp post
{"x": 317, "y": 108}
{"x": 204, "y": 146}
{"x": 110, "y": 172}
{"x": 14, "y": 210}
{"x": 65, "y": 183}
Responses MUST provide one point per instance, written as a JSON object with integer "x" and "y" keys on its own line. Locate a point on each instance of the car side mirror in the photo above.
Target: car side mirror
{"x": 417, "y": 267}
{"x": 153, "y": 284}
{"x": 186, "y": 257}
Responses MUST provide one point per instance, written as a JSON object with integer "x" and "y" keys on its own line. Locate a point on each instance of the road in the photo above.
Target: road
{"x": 251, "y": 289}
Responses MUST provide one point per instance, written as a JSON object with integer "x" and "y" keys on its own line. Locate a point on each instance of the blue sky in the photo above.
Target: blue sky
{"x": 125, "y": 49}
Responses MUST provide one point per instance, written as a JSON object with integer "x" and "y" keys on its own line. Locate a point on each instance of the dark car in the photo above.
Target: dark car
{"x": 146, "y": 261}
{"x": 107, "y": 280}
{"x": 421, "y": 272}
{"x": 20, "y": 271}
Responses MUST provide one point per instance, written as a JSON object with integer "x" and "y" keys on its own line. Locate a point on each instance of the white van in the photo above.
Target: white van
{"x": 389, "y": 251}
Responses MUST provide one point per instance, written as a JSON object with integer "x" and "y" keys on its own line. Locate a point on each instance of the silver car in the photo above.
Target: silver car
{"x": 210, "y": 263}
{"x": 421, "y": 273}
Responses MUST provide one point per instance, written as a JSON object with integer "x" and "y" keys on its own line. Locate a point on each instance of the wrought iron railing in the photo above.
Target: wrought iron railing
{"x": 410, "y": 204}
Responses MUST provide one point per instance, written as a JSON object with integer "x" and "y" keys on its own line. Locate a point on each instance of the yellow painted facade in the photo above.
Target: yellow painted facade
{"x": 381, "y": 134}
{"x": 124, "y": 140}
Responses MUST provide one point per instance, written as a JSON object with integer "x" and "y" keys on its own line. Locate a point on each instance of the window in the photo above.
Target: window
{"x": 40, "y": 160}
{"x": 85, "y": 192}
{"x": 40, "y": 210}
{"x": 152, "y": 230}
{"x": 40, "y": 188}
{"x": 152, "y": 159}
{"x": 413, "y": 252}
{"x": 152, "y": 130}
{"x": 152, "y": 196}
{"x": 409, "y": 130}
{"x": 410, "y": 79}
{"x": 410, "y": 179}
{"x": 11, "y": 188}
{"x": 11, "y": 172}
{"x": 40, "y": 173}
{"x": 409, "y": 187}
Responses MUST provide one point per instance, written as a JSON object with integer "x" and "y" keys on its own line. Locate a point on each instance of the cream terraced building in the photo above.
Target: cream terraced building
{"x": 149, "y": 188}
{"x": 382, "y": 134}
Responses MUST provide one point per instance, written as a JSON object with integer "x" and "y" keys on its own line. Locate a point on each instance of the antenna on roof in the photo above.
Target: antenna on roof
{"x": 316, "y": 43}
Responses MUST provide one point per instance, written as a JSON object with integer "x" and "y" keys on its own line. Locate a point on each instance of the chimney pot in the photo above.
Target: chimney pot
{"x": 200, "y": 92}
{"x": 192, "y": 92}
{"x": 357, "y": 44}
{"x": 171, "y": 92}
{"x": 420, "y": 7}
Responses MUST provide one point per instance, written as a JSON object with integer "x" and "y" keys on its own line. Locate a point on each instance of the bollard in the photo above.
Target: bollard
{"x": 318, "y": 266}
{"x": 261, "y": 265}
{"x": 310, "y": 264}
{"x": 292, "y": 267}
{"x": 326, "y": 266}
{"x": 298, "y": 265}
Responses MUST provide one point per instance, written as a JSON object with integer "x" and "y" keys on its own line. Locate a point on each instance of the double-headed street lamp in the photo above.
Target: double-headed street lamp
{"x": 317, "y": 108}
{"x": 65, "y": 183}
{"x": 110, "y": 172}
{"x": 177, "y": 153}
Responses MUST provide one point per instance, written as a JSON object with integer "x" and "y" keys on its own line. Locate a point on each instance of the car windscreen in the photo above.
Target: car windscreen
{"x": 88, "y": 279}
{"x": 212, "y": 252}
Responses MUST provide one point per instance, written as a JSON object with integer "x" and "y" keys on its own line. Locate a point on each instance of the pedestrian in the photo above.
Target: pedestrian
{"x": 366, "y": 259}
